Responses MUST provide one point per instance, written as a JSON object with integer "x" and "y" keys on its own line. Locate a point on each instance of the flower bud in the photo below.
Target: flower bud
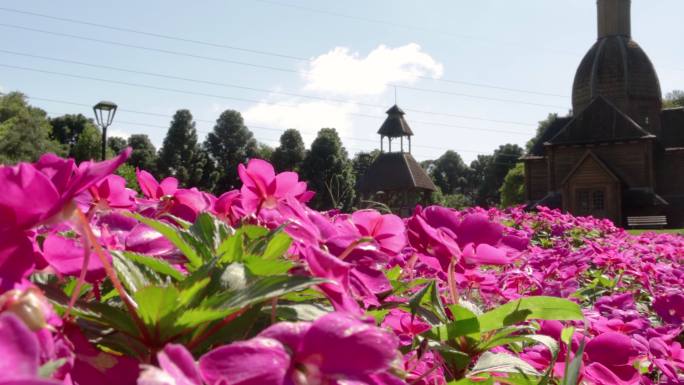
{"x": 27, "y": 305}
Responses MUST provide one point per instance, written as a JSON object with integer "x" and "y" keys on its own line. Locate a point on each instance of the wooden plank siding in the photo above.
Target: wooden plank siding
{"x": 629, "y": 161}
{"x": 536, "y": 181}
{"x": 590, "y": 174}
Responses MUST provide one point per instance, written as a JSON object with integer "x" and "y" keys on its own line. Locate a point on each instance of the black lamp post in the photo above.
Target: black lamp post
{"x": 104, "y": 115}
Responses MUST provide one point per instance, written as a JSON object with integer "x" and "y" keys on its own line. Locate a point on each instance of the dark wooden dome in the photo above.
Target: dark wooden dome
{"x": 618, "y": 69}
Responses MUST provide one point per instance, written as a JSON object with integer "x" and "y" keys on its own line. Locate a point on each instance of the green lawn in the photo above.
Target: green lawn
{"x": 668, "y": 231}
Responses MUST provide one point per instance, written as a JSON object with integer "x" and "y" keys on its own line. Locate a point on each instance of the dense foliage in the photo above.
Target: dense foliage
{"x": 101, "y": 285}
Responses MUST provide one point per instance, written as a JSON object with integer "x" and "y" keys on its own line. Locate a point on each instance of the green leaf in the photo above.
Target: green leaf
{"x": 394, "y": 273}
{"x": 173, "y": 235}
{"x": 547, "y": 341}
{"x": 454, "y": 329}
{"x": 566, "y": 334}
{"x": 268, "y": 287}
{"x": 50, "y": 367}
{"x": 232, "y": 248}
{"x": 523, "y": 309}
{"x": 205, "y": 229}
{"x": 304, "y": 311}
{"x": 277, "y": 246}
{"x": 195, "y": 317}
{"x": 155, "y": 303}
{"x": 416, "y": 299}
{"x": 254, "y": 232}
{"x": 502, "y": 363}
{"x": 188, "y": 295}
{"x": 100, "y": 313}
{"x": 436, "y": 303}
{"x": 572, "y": 368}
{"x": 130, "y": 274}
{"x": 259, "y": 266}
{"x": 156, "y": 264}
{"x": 455, "y": 358}
{"x": 465, "y": 324}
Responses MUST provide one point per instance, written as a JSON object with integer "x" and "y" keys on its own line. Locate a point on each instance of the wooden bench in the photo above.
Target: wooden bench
{"x": 655, "y": 221}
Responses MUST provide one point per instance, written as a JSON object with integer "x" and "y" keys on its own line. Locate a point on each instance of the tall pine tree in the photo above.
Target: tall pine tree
{"x": 180, "y": 153}
{"x": 229, "y": 144}
{"x": 329, "y": 172}
{"x": 291, "y": 152}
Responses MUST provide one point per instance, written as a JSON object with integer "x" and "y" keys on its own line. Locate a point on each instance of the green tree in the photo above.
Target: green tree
{"x": 117, "y": 144}
{"x": 503, "y": 160}
{"x": 229, "y": 144}
{"x": 476, "y": 176}
{"x": 541, "y": 128}
{"x": 179, "y": 155}
{"x": 291, "y": 152}
{"x": 88, "y": 146}
{"x": 144, "y": 155}
{"x": 449, "y": 173}
{"x": 24, "y": 131}
{"x": 674, "y": 99}
{"x": 513, "y": 188}
{"x": 329, "y": 172}
{"x": 264, "y": 151}
{"x": 127, "y": 172}
{"x": 456, "y": 201}
{"x": 67, "y": 130}
{"x": 362, "y": 162}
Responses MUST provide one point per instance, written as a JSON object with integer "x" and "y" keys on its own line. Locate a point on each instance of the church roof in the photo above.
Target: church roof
{"x": 617, "y": 68}
{"x": 601, "y": 121}
{"x": 552, "y": 130}
{"x": 672, "y": 135}
{"x": 395, "y": 171}
{"x": 395, "y": 125}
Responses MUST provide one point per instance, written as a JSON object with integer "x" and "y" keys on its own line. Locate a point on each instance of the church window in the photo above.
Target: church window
{"x": 598, "y": 200}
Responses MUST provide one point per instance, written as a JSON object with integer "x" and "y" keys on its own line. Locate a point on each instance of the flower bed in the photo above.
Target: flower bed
{"x": 100, "y": 285}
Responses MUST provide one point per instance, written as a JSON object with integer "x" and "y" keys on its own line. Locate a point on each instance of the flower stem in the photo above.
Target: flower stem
{"x": 109, "y": 270}
{"x": 451, "y": 281}
{"x": 81, "y": 277}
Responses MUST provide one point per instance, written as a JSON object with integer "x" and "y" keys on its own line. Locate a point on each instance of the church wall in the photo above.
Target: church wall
{"x": 590, "y": 175}
{"x": 671, "y": 173}
{"x": 536, "y": 179}
{"x": 628, "y": 160}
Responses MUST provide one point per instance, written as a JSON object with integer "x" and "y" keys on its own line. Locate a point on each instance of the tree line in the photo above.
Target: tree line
{"x": 26, "y": 132}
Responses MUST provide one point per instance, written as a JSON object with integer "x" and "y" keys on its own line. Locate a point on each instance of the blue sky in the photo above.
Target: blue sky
{"x": 330, "y": 64}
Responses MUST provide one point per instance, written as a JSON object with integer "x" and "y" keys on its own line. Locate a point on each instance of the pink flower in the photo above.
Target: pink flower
{"x": 229, "y": 207}
{"x": 110, "y": 193}
{"x": 153, "y": 189}
{"x": 335, "y": 348}
{"x": 670, "y": 308}
{"x": 35, "y": 194}
{"x": 20, "y": 354}
{"x": 387, "y": 231}
{"x": 177, "y": 367}
{"x": 669, "y": 358}
{"x": 609, "y": 360}
{"x": 66, "y": 255}
{"x": 263, "y": 189}
{"x": 405, "y": 325}
{"x": 324, "y": 265}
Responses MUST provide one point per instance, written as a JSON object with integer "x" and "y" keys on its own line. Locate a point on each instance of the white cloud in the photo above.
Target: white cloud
{"x": 342, "y": 72}
{"x": 306, "y": 116}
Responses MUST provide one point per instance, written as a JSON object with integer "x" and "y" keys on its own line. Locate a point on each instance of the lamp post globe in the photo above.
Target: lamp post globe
{"x": 104, "y": 115}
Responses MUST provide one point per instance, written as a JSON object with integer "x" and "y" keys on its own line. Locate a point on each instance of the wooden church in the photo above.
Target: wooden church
{"x": 395, "y": 178}
{"x": 620, "y": 155}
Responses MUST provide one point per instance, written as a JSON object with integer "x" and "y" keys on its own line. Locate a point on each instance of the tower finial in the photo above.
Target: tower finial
{"x": 614, "y": 18}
